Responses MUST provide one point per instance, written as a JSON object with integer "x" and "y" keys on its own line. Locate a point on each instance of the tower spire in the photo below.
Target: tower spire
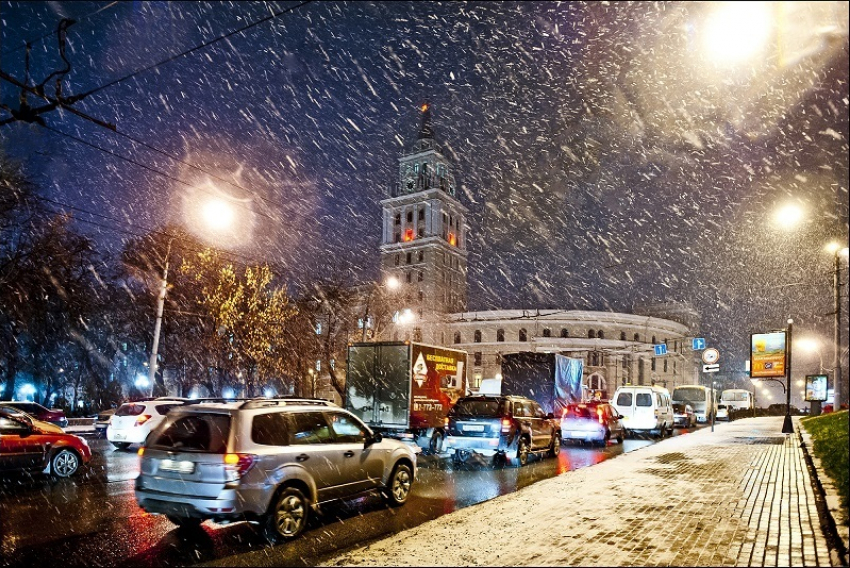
{"x": 426, "y": 128}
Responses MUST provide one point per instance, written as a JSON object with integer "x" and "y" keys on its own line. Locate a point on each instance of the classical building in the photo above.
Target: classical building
{"x": 424, "y": 280}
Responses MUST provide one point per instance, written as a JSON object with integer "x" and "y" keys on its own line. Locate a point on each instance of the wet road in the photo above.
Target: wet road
{"x": 93, "y": 520}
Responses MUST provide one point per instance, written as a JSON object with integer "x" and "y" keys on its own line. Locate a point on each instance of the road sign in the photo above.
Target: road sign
{"x": 710, "y": 356}
{"x": 660, "y": 349}
{"x": 698, "y": 343}
{"x": 711, "y": 368}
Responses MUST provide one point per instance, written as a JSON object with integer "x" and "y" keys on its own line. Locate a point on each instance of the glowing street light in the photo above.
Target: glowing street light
{"x": 789, "y": 216}
{"x": 737, "y": 31}
{"x": 218, "y": 214}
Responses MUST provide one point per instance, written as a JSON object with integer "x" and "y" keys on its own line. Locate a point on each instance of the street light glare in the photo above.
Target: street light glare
{"x": 789, "y": 216}
{"x": 218, "y": 214}
{"x": 737, "y": 31}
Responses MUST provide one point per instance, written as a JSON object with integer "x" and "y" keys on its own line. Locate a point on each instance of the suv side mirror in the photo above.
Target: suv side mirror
{"x": 550, "y": 416}
{"x": 372, "y": 438}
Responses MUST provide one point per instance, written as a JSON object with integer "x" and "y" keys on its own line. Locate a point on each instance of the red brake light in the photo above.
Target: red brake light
{"x": 237, "y": 465}
{"x": 142, "y": 419}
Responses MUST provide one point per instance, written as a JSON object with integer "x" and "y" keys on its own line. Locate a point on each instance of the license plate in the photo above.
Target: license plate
{"x": 473, "y": 427}
{"x": 119, "y": 436}
{"x": 177, "y": 466}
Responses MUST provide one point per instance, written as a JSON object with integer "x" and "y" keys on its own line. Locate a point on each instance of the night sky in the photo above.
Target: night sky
{"x": 607, "y": 156}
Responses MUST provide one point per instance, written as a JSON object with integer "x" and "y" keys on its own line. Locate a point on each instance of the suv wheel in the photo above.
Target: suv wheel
{"x": 288, "y": 515}
{"x": 64, "y": 463}
{"x": 521, "y": 453}
{"x": 555, "y": 446}
{"x": 398, "y": 488}
{"x": 121, "y": 445}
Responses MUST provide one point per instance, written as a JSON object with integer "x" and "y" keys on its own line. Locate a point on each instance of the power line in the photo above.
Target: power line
{"x": 149, "y": 168}
{"x": 48, "y": 34}
{"x": 196, "y": 48}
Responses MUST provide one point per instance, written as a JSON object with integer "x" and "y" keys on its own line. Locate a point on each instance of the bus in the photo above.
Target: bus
{"x": 737, "y": 399}
{"x": 699, "y": 397}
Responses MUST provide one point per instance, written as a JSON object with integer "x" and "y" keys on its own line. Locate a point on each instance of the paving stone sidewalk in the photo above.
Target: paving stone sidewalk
{"x": 740, "y": 495}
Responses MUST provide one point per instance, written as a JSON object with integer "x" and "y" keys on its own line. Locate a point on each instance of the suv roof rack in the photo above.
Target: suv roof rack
{"x": 262, "y": 401}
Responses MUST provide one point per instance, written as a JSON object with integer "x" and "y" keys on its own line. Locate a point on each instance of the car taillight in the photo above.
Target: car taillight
{"x": 565, "y": 412}
{"x": 142, "y": 419}
{"x": 506, "y": 425}
{"x": 599, "y": 413}
{"x": 141, "y": 451}
{"x": 237, "y": 465}
{"x": 446, "y": 422}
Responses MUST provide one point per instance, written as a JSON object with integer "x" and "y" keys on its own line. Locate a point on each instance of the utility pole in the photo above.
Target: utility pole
{"x": 836, "y": 355}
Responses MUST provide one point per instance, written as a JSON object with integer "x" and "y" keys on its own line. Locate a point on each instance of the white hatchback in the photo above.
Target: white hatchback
{"x": 133, "y": 421}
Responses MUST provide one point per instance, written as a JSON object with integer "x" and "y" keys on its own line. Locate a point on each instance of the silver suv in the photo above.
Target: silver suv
{"x": 268, "y": 461}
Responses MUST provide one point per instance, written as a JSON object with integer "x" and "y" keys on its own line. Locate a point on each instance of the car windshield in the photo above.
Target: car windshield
{"x": 580, "y": 411}
{"x": 480, "y": 407}
{"x": 689, "y": 394}
{"x": 130, "y": 410}
{"x": 195, "y": 433}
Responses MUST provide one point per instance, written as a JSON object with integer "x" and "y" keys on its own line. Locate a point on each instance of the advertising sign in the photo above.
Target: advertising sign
{"x": 767, "y": 354}
{"x": 816, "y": 388}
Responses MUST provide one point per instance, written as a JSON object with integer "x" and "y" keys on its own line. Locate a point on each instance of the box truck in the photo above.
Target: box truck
{"x": 405, "y": 389}
{"x": 553, "y": 380}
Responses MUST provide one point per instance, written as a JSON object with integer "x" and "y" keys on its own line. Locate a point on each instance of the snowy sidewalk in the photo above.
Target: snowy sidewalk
{"x": 739, "y": 496}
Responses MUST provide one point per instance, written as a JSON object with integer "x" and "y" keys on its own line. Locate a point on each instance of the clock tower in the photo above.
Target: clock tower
{"x": 423, "y": 243}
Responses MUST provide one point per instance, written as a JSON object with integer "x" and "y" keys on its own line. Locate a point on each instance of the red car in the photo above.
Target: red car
{"x": 39, "y": 412}
{"x": 28, "y": 444}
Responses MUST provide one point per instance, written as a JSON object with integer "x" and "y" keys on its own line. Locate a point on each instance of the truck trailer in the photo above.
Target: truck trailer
{"x": 404, "y": 389}
{"x": 550, "y": 379}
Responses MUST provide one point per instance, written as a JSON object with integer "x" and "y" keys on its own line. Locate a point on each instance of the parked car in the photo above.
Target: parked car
{"x": 34, "y": 409}
{"x": 101, "y": 422}
{"x": 268, "y": 461}
{"x": 591, "y": 422}
{"x": 31, "y": 445}
{"x": 133, "y": 421}
{"x": 722, "y": 412}
{"x": 684, "y": 415}
{"x": 506, "y": 428}
{"x": 645, "y": 409}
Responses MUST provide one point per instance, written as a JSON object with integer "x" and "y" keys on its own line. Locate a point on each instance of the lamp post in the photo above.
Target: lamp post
{"x": 787, "y": 425}
{"x": 837, "y": 389}
{"x": 160, "y": 305}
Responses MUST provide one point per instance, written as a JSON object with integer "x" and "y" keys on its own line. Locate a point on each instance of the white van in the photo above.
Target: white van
{"x": 700, "y": 399}
{"x": 645, "y": 409}
{"x": 737, "y": 399}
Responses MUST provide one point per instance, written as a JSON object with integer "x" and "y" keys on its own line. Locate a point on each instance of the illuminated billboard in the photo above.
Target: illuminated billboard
{"x": 767, "y": 355}
{"x": 816, "y": 388}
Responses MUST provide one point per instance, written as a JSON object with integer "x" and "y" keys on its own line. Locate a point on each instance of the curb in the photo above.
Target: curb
{"x": 827, "y": 501}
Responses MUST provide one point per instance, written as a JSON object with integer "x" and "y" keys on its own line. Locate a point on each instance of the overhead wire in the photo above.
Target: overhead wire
{"x": 49, "y": 34}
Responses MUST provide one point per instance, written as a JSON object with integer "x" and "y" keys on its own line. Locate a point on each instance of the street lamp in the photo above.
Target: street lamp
{"x": 838, "y": 392}
{"x": 787, "y": 425}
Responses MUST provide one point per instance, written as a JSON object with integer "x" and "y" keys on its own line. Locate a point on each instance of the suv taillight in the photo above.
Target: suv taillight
{"x": 446, "y": 421}
{"x": 142, "y": 419}
{"x": 237, "y": 465}
{"x": 600, "y": 413}
{"x": 506, "y": 425}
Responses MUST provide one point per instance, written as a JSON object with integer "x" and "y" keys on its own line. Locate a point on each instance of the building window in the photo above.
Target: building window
{"x": 500, "y": 335}
{"x": 600, "y": 334}
{"x": 397, "y": 259}
{"x": 409, "y": 258}
{"x": 477, "y": 358}
{"x": 318, "y": 364}
{"x": 421, "y": 256}
{"x": 523, "y": 335}
{"x": 420, "y": 231}
{"x": 653, "y": 340}
{"x": 547, "y": 332}
{"x": 591, "y": 334}
{"x": 665, "y": 365}
{"x": 318, "y": 328}
{"x": 422, "y": 214}
{"x": 419, "y": 276}
{"x": 653, "y": 363}
{"x": 410, "y": 216}
{"x": 637, "y": 337}
{"x": 410, "y": 277}
{"x": 477, "y": 336}
{"x": 408, "y": 235}
{"x": 397, "y": 237}
{"x": 398, "y": 219}
{"x": 457, "y": 337}
{"x": 565, "y": 332}
{"x": 622, "y": 336}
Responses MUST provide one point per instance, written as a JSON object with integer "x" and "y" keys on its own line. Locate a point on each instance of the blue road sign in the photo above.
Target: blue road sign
{"x": 699, "y": 343}
{"x": 660, "y": 349}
